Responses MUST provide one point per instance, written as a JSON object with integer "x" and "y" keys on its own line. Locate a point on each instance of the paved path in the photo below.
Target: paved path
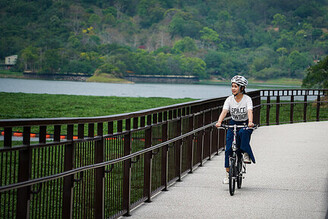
{"x": 290, "y": 180}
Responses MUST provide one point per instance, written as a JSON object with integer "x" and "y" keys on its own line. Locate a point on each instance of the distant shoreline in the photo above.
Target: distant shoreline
{"x": 281, "y": 82}
{"x": 65, "y": 77}
{"x": 107, "y": 78}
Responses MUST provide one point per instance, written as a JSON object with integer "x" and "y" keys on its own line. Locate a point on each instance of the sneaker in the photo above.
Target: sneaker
{"x": 246, "y": 158}
{"x": 226, "y": 179}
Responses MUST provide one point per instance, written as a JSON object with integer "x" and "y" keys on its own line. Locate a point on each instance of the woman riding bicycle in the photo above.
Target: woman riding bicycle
{"x": 240, "y": 107}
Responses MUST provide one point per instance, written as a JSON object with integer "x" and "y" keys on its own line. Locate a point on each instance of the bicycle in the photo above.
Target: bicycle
{"x": 237, "y": 167}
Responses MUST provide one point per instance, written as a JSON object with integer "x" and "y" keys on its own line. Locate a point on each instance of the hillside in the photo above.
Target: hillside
{"x": 261, "y": 39}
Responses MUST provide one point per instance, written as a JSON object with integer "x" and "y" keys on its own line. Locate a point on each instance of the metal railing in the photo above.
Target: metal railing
{"x": 102, "y": 167}
{"x": 293, "y": 105}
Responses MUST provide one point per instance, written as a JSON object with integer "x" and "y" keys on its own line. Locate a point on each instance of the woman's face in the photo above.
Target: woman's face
{"x": 234, "y": 88}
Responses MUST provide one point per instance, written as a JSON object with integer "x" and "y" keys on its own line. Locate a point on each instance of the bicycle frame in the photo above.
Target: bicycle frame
{"x": 237, "y": 167}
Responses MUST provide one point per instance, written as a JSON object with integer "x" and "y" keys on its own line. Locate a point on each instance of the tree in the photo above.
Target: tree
{"x": 93, "y": 58}
{"x": 195, "y": 66}
{"x": 174, "y": 64}
{"x": 109, "y": 68}
{"x": 209, "y": 36}
{"x": 317, "y": 75}
{"x": 213, "y": 60}
{"x": 29, "y": 58}
{"x": 282, "y": 51}
{"x": 162, "y": 63}
{"x": 184, "y": 45}
{"x": 94, "y": 20}
{"x": 286, "y": 40}
{"x": 176, "y": 25}
{"x": 145, "y": 63}
{"x": 150, "y": 12}
{"x": 260, "y": 63}
{"x": 316, "y": 33}
{"x": 51, "y": 62}
{"x": 300, "y": 37}
{"x": 297, "y": 62}
{"x": 268, "y": 73}
{"x": 78, "y": 66}
{"x": 279, "y": 20}
{"x": 183, "y": 24}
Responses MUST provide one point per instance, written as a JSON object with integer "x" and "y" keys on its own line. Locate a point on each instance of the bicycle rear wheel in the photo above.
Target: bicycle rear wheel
{"x": 232, "y": 178}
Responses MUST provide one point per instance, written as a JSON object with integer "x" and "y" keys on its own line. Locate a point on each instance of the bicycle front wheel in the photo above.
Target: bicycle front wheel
{"x": 239, "y": 174}
{"x": 232, "y": 178}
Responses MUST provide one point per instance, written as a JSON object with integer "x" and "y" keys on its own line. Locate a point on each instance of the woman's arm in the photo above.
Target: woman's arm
{"x": 250, "y": 118}
{"x": 221, "y": 117}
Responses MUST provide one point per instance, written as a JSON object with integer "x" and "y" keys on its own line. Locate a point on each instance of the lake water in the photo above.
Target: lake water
{"x": 110, "y": 89}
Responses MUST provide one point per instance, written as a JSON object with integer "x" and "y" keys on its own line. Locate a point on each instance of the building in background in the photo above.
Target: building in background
{"x": 10, "y": 61}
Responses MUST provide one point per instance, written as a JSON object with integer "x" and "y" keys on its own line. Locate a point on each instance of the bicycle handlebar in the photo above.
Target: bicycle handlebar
{"x": 224, "y": 126}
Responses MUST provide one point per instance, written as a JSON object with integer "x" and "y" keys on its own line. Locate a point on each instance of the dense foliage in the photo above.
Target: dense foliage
{"x": 24, "y": 105}
{"x": 317, "y": 75}
{"x": 210, "y": 39}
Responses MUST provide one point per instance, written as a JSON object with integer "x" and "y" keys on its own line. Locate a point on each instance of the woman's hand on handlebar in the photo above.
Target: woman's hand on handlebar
{"x": 250, "y": 124}
{"x": 218, "y": 124}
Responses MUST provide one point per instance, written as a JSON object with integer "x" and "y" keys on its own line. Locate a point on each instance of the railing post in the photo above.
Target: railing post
{"x": 127, "y": 174}
{"x": 119, "y": 126}
{"x": 99, "y": 175}
{"x": 57, "y": 133}
{"x": 257, "y": 110}
{"x": 215, "y": 139}
{"x": 318, "y": 107}
{"x": 42, "y": 134}
{"x": 208, "y": 134}
{"x": 191, "y": 144}
{"x": 165, "y": 151}
{"x": 201, "y": 138}
{"x": 91, "y": 130}
{"x": 292, "y": 108}
{"x": 135, "y": 122}
{"x": 268, "y": 109}
{"x": 222, "y": 136}
{"x": 278, "y": 110}
{"x": 178, "y": 145}
{"x": 80, "y": 131}
{"x": 305, "y": 108}
{"x": 7, "y": 141}
{"x": 68, "y": 180}
{"x": 148, "y": 161}
{"x": 142, "y": 121}
{"x": 24, "y": 173}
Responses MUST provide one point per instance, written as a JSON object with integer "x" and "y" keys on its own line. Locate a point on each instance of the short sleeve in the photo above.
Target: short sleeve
{"x": 226, "y": 104}
{"x": 249, "y": 103}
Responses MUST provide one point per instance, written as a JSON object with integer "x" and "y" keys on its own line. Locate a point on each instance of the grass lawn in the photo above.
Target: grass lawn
{"x": 278, "y": 82}
{"x": 106, "y": 78}
{"x": 268, "y": 84}
{"x": 9, "y": 74}
{"x": 22, "y": 105}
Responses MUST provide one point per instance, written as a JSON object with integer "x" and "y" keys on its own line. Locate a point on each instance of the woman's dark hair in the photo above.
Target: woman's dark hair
{"x": 243, "y": 89}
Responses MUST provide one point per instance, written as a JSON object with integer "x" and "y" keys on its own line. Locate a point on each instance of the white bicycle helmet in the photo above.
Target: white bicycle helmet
{"x": 240, "y": 80}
